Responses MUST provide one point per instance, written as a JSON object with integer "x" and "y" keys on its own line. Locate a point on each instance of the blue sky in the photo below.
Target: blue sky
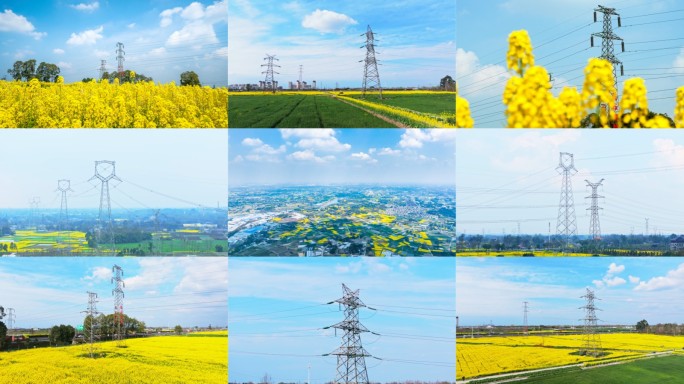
{"x": 164, "y": 292}
{"x": 341, "y": 156}
{"x": 560, "y": 32}
{"x": 508, "y": 176}
{"x": 277, "y": 306}
{"x": 630, "y": 289}
{"x": 185, "y": 164}
{"x": 416, "y": 40}
{"x": 162, "y": 38}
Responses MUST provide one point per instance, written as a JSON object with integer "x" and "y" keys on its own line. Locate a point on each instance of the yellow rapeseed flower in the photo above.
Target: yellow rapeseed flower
{"x": 679, "y": 108}
{"x": 520, "y": 55}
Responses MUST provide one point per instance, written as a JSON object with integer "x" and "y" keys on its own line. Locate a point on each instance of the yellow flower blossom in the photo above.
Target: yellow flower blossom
{"x": 679, "y": 109}
{"x": 520, "y": 55}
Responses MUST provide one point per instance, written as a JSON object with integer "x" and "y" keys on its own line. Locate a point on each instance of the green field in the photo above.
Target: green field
{"x": 206, "y": 245}
{"x": 290, "y": 111}
{"x": 669, "y": 369}
{"x": 431, "y": 103}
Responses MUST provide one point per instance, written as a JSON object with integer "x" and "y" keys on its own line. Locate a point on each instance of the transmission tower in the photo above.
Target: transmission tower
{"x": 269, "y": 82}
{"x": 103, "y": 68}
{"x": 11, "y": 318}
{"x": 105, "y": 171}
{"x": 594, "y": 224}
{"x": 91, "y": 313}
{"x": 118, "y": 304}
{"x": 64, "y": 186}
{"x": 591, "y": 345}
{"x": 34, "y": 203}
{"x": 351, "y": 363}
{"x": 370, "y": 71}
{"x": 525, "y": 310}
{"x": 646, "y": 226}
{"x": 567, "y": 224}
{"x": 607, "y": 36}
{"x": 120, "y": 59}
{"x": 301, "y": 84}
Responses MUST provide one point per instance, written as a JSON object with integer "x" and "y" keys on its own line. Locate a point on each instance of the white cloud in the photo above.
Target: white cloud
{"x": 415, "y": 138}
{"x": 194, "y": 34}
{"x": 58, "y": 51}
{"x": 22, "y": 53}
{"x": 673, "y": 279}
{"x": 167, "y": 16}
{"x": 11, "y": 22}
{"x": 194, "y": 11}
{"x": 86, "y": 7}
{"x": 389, "y": 152}
{"x": 363, "y": 157}
{"x": 268, "y": 150}
{"x": 309, "y": 155}
{"x": 678, "y": 63}
{"x": 634, "y": 279}
{"x": 101, "y": 54}
{"x": 131, "y": 25}
{"x": 610, "y": 280}
{"x": 252, "y": 142}
{"x": 477, "y": 77}
{"x": 323, "y": 140}
{"x": 325, "y": 21}
{"x": 99, "y": 274}
{"x": 64, "y": 65}
{"x": 614, "y": 269}
{"x": 669, "y": 153}
{"x": 87, "y": 37}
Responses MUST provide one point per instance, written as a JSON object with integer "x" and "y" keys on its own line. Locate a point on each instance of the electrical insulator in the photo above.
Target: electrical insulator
{"x": 592, "y": 41}
{"x": 594, "y": 17}
{"x": 622, "y": 70}
{"x": 623, "y": 46}
{"x": 619, "y": 22}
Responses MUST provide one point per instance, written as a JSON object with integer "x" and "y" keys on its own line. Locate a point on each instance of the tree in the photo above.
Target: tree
{"x": 642, "y": 326}
{"x": 15, "y": 72}
{"x": 87, "y": 79}
{"x": 28, "y": 69}
{"x": 447, "y": 83}
{"x": 3, "y": 334}
{"x": 178, "y": 329}
{"x": 189, "y": 78}
{"x": 61, "y": 334}
{"x": 219, "y": 248}
{"x": 47, "y": 72}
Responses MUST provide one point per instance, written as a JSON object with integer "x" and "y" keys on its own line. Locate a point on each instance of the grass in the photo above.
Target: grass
{"x": 162, "y": 359}
{"x": 304, "y": 111}
{"x": 436, "y": 103}
{"x": 646, "y": 371}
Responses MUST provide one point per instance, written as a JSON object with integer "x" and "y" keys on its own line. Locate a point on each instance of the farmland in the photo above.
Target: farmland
{"x": 647, "y": 371}
{"x": 341, "y": 110}
{"x": 341, "y": 221}
{"x": 485, "y": 356}
{"x": 202, "y": 358}
{"x": 35, "y": 104}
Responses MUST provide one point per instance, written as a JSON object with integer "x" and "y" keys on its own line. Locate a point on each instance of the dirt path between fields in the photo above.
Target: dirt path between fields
{"x": 379, "y": 116}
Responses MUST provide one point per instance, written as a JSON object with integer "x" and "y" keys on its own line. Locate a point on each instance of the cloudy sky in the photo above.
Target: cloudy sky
{"x": 560, "y": 32}
{"x": 416, "y": 40}
{"x": 184, "y": 167}
{"x": 341, "y": 156}
{"x": 506, "y": 177}
{"x": 162, "y": 38}
{"x": 278, "y": 307}
{"x": 161, "y": 292}
{"x": 630, "y": 289}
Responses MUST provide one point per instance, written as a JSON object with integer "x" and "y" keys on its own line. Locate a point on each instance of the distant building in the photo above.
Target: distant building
{"x": 677, "y": 243}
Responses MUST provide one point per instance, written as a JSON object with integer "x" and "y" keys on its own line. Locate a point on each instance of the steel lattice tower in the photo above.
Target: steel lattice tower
{"x": 567, "y": 223}
{"x": 120, "y": 59}
{"x": 525, "y": 317}
{"x": 370, "y": 71}
{"x": 269, "y": 82}
{"x": 103, "y": 68}
{"x": 607, "y": 36}
{"x": 11, "y": 317}
{"x": 34, "y": 203}
{"x": 594, "y": 224}
{"x": 92, "y": 313}
{"x": 105, "y": 171}
{"x": 351, "y": 362}
{"x": 591, "y": 345}
{"x": 118, "y": 304}
{"x": 64, "y": 186}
